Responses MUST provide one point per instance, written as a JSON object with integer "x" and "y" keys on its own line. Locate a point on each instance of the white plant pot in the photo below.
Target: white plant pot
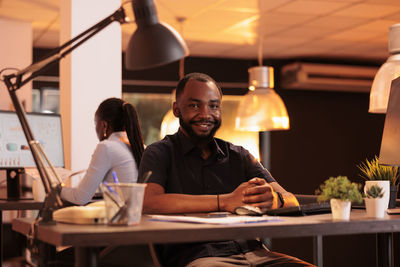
{"x": 375, "y": 207}
{"x": 340, "y": 209}
{"x": 386, "y": 189}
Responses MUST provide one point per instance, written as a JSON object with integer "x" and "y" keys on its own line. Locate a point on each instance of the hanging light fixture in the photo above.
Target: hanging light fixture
{"x": 170, "y": 123}
{"x": 261, "y": 109}
{"x": 390, "y": 70}
{"x": 153, "y": 43}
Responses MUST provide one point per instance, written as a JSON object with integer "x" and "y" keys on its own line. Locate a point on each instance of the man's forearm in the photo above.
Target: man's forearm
{"x": 180, "y": 203}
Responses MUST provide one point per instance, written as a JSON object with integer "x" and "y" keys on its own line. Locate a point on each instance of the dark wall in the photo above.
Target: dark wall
{"x": 330, "y": 134}
{"x": 221, "y": 69}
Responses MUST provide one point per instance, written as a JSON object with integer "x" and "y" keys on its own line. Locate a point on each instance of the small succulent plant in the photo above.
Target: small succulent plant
{"x": 374, "y": 191}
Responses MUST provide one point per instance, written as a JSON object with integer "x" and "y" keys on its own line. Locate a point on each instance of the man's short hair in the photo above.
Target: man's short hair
{"x": 201, "y": 77}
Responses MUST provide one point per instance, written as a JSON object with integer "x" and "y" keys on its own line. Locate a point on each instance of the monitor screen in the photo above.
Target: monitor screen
{"x": 14, "y": 149}
{"x": 390, "y": 146}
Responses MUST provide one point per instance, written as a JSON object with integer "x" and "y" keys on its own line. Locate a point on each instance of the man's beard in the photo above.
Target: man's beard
{"x": 195, "y": 137}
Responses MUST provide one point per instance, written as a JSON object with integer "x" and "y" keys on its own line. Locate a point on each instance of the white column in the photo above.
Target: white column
{"x": 89, "y": 75}
{"x": 15, "y": 52}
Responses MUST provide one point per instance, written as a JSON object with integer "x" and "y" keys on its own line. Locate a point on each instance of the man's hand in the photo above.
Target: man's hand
{"x": 256, "y": 192}
{"x": 260, "y": 194}
{"x": 228, "y": 202}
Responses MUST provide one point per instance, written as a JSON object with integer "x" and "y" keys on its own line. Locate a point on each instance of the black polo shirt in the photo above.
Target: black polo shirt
{"x": 177, "y": 166}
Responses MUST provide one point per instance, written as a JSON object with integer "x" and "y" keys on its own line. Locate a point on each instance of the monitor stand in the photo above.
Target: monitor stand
{"x": 13, "y": 183}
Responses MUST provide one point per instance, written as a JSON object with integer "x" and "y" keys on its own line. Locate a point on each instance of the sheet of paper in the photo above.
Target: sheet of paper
{"x": 219, "y": 220}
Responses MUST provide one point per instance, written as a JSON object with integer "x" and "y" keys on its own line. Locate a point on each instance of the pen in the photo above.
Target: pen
{"x": 146, "y": 177}
{"x": 112, "y": 196}
{"x": 109, "y": 187}
{"x": 115, "y": 177}
{"x": 218, "y": 214}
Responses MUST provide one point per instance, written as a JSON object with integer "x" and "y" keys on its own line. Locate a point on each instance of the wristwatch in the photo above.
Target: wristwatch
{"x": 281, "y": 199}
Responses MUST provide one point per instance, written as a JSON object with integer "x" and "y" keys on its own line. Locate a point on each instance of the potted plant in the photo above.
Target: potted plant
{"x": 386, "y": 177}
{"x": 374, "y": 202}
{"x": 341, "y": 192}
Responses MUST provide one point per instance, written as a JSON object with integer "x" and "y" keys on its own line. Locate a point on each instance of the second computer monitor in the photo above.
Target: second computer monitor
{"x": 14, "y": 149}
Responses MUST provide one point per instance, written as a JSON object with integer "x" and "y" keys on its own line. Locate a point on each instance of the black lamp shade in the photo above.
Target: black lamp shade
{"x": 154, "y": 45}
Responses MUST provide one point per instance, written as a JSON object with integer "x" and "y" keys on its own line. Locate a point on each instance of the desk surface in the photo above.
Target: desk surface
{"x": 168, "y": 232}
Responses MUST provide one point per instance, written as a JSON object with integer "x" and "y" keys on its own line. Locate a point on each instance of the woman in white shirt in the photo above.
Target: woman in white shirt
{"x": 120, "y": 150}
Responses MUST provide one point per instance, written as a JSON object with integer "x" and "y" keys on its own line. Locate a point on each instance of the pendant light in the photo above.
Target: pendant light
{"x": 153, "y": 43}
{"x": 170, "y": 123}
{"x": 261, "y": 109}
{"x": 389, "y": 71}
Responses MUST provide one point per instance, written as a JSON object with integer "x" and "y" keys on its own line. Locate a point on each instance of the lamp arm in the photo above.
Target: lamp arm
{"x": 58, "y": 53}
{"x": 51, "y": 181}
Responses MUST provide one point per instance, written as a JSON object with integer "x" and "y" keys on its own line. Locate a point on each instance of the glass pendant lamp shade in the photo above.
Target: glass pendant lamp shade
{"x": 389, "y": 71}
{"x": 153, "y": 43}
{"x": 262, "y": 109}
{"x": 169, "y": 125}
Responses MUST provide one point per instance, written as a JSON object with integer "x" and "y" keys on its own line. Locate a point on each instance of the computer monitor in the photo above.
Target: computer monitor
{"x": 390, "y": 146}
{"x": 15, "y": 154}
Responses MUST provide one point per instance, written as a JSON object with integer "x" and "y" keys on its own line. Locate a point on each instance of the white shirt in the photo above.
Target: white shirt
{"x": 111, "y": 154}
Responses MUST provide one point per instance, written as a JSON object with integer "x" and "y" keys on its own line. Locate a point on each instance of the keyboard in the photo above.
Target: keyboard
{"x": 302, "y": 210}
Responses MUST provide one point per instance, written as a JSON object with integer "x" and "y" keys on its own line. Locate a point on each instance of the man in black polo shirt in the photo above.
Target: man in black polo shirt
{"x": 194, "y": 172}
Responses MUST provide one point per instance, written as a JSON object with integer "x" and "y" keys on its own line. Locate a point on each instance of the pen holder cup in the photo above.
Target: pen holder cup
{"x": 124, "y": 202}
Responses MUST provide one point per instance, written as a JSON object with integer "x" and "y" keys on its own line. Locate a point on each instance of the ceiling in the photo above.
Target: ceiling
{"x": 233, "y": 28}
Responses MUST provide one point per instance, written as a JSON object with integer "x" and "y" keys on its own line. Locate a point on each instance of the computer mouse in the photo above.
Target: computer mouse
{"x": 248, "y": 210}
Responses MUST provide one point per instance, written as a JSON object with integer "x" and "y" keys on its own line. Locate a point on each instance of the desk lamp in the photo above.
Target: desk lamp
{"x": 152, "y": 44}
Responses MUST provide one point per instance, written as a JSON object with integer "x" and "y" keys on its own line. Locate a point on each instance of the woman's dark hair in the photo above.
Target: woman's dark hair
{"x": 122, "y": 116}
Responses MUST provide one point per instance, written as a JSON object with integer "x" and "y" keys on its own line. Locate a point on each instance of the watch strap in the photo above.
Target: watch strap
{"x": 281, "y": 199}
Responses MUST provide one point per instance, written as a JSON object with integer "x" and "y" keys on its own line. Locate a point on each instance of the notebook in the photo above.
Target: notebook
{"x": 302, "y": 210}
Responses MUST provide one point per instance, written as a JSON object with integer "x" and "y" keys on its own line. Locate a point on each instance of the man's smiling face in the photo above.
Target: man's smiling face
{"x": 199, "y": 110}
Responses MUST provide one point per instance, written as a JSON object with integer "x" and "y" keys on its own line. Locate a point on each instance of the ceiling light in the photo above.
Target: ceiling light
{"x": 169, "y": 124}
{"x": 262, "y": 109}
{"x": 389, "y": 71}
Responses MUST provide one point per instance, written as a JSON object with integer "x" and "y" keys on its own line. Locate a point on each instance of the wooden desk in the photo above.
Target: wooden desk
{"x": 25, "y": 204}
{"x": 86, "y": 237}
